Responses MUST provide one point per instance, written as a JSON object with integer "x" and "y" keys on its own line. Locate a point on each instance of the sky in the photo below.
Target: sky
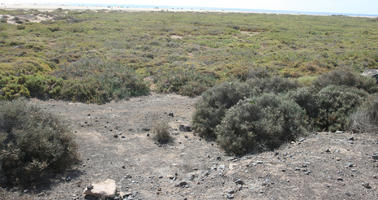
{"x": 332, "y": 6}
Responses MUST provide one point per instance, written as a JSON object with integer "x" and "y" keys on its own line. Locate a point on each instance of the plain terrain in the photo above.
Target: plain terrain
{"x": 114, "y": 143}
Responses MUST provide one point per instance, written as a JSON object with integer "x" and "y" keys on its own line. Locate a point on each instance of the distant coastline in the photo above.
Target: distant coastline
{"x": 136, "y": 8}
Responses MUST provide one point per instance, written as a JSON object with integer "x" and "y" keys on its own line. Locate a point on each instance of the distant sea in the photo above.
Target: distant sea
{"x": 220, "y": 9}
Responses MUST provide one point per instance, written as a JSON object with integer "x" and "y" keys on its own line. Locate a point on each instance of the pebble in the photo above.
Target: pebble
{"x": 366, "y": 185}
{"x": 239, "y": 182}
{"x": 182, "y": 184}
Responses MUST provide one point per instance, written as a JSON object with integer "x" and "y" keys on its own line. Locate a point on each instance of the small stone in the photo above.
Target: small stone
{"x": 297, "y": 169}
{"x": 182, "y": 184}
{"x": 366, "y": 185}
{"x": 148, "y": 135}
{"x": 115, "y": 136}
{"x": 219, "y": 158}
{"x": 259, "y": 162}
{"x": 123, "y": 137}
{"x": 340, "y": 179}
{"x": 239, "y": 182}
{"x": 146, "y": 129}
{"x": 184, "y": 128}
{"x": 328, "y": 151}
{"x": 375, "y": 156}
{"x": 68, "y": 178}
{"x": 171, "y": 114}
{"x": 229, "y": 196}
{"x": 351, "y": 139}
{"x": 230, "y": 191}
{"x": 339, "y": 132}
{"x": 350, "y": 165}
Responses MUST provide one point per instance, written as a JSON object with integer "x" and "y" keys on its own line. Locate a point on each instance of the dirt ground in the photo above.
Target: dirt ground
{"x": 115, "y": 141}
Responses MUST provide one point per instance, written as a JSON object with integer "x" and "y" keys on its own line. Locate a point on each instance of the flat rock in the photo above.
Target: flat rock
{"x": 105, "y": 189}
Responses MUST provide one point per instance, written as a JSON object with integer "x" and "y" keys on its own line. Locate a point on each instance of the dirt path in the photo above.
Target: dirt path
{"x": 114, "y": 143}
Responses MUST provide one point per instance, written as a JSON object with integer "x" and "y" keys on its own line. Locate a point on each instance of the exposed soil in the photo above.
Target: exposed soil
{"x": 114, "y": 142}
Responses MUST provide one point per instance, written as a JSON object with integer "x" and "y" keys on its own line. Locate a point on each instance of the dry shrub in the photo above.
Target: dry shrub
{"x": 161, "y": 132}
{"x": 365, "y": 119}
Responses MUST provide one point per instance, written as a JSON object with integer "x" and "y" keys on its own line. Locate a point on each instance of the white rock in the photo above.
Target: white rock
{"x": 105, "y": 189}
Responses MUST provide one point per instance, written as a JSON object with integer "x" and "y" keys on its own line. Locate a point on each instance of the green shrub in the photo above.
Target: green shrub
{"x": 336, "y": 104}
{"x": 184, "y": 82}
{"x": 274, "y": 84}
{"x": 365, "y": 119}
{"x": 32, "y": 143}
{"x": 346, "y": 78}
{"x": 307, "y": 99}
{"x": 161, "y": 133}
{"x": 259, "y": 124}
{"x": 11, "y": 89}
{"x": 86, "y": 91}
{"x": 42, "y": 86}
{"x": 212, "y": 106}
{"x": 98, "y": 81}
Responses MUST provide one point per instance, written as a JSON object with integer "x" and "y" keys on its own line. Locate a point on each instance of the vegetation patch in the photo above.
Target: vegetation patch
{"x": 261, "y": 123}
{"x": 32, "y": 143}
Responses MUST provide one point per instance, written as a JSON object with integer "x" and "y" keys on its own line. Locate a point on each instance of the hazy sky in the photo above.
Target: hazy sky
{"x": 335, "y": 6}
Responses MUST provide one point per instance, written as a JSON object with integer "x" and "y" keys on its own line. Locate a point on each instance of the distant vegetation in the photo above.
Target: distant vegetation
{"x": 120, "y": 54}
{"x": 266, "y": 111}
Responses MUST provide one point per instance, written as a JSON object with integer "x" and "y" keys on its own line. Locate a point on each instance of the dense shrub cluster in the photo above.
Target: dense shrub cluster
{"x": 272, "y": 84}
{"x": 184, "y": 82}
{"x": 87, "y": 80}
{"x": 257, "y": 123}
{"x": 214, "y": 103}
{"x": 32, "y": 143}
{"x": 261, "y": 123}
{"x": 347, "y": 78}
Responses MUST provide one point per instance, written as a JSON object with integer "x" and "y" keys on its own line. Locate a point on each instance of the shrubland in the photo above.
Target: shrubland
{"x": 265, "y": 111}
{"x": 182, "y": 52}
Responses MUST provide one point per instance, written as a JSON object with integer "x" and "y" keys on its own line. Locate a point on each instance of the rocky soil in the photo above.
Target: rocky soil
{"x": 115, "y": 142}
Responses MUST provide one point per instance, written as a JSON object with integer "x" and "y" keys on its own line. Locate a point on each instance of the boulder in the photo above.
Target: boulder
{"x": 105, "y": 189}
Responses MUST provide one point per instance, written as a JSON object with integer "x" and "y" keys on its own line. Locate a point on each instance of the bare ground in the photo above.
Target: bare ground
{"x": 114, "y": 142}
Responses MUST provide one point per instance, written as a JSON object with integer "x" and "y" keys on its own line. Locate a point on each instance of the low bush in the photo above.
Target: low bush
{"x": 184, "y": 82}
{"x": 212, "y": 106}
{"x": 42, "y": 86}
{"x": 274, "y": 84}
{"x": 32, "y": 143}
{"x": 347, "y": 78}
{"x": 98, "y": 81}
{"x": 336, "y": 104}
{"x": 161, "y": 133}
{"x": 307, "y": 99}
{"x": 259, "y": 124}
{"x": 365, "y": 119}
